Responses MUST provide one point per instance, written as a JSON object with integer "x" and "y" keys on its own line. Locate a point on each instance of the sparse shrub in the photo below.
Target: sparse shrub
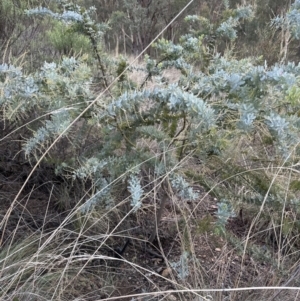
{"x": 239, "y": 118}
{"x": 203, "y": 113}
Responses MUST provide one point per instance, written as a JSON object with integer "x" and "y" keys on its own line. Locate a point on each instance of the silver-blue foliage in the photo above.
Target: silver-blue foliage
{"x": 182, "y": 266}
{"x": 277, "y": 124}
{"x": 90, "y": 168}
{"x": 227, "y": 28}
{"x": 56, "y": 126}
{"x": 290, "y": 22}
{"x": 136, "y": 191}
{"x": 225, "y": 211}
{"x": 183, "y": 188}
{"x": 228, "y": 97}
{"x": 101, "y": 197}
{"x": 42, "y": 11}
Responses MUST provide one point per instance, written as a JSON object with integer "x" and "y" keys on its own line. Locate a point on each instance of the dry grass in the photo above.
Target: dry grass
{"x": 74, "y": 258}
{"x": 75, "y": 261}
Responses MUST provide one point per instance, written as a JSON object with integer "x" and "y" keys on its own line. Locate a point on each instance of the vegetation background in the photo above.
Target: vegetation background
{"x": 149, "y": 150}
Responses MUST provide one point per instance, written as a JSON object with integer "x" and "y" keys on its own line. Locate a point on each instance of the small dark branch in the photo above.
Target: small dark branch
{"x": 124, "y": 136}
{"x": 150, "y": 75}
{"x": 163, "y": 201}
{"x": 94, "y": 43}
{"x": 119, "y": 251}
{"x": 175, "y": 138}
{"x": 183, "y": 144}
{"x": 153, "y": 253}
{"x": 183, "y": 127}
